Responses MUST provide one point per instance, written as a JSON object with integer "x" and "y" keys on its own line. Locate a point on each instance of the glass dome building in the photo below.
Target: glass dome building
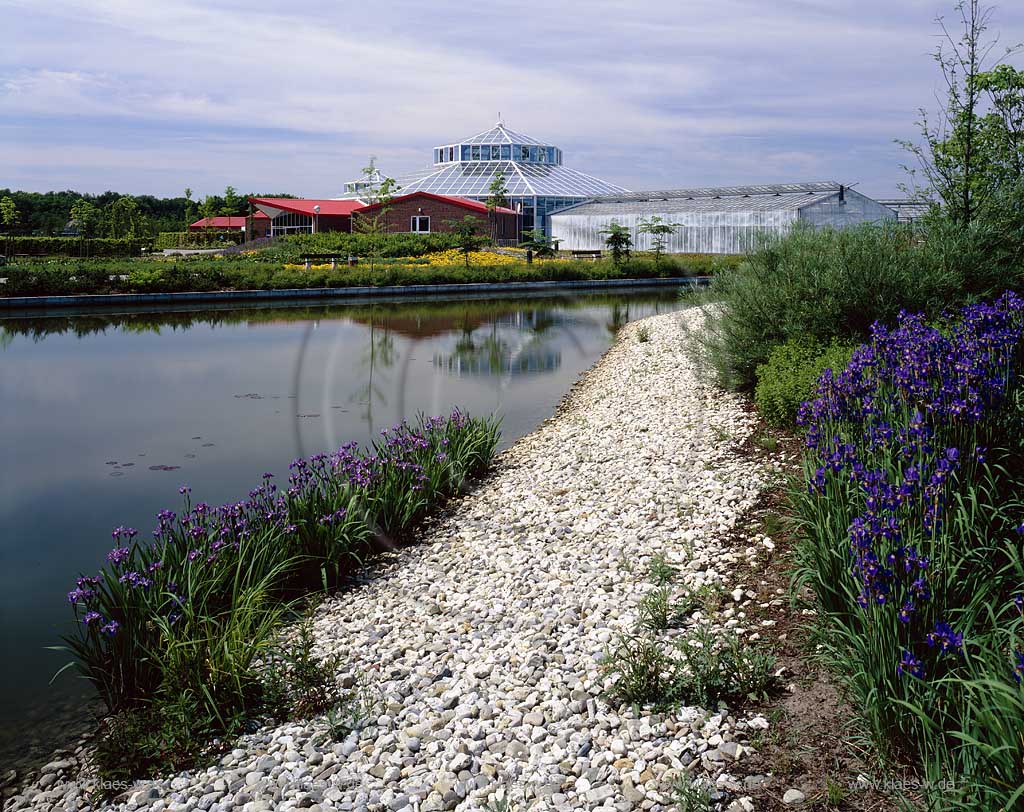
{"x": 537, "y": 182}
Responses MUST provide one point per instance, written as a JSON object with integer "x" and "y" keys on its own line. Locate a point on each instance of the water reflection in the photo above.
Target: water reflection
{"x": 104, "y": 415}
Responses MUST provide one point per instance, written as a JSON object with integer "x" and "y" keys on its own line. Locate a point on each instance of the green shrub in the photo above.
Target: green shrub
{"x": 790, "y": 376}
{"x": 212, "y": 238}
{"x": 826, "y": 283}
{"x": 75, "y": 246}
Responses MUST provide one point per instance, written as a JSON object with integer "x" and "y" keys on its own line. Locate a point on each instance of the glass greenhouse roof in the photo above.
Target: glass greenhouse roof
{"x": 473, "y": 179}
{"x": 499, "y": 134}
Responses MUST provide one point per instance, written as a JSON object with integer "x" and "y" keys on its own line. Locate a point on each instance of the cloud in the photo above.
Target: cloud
{"x": 255, "y": 94}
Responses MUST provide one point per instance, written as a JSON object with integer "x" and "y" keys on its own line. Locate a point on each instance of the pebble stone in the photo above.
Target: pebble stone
{"x": 479, "y": 651}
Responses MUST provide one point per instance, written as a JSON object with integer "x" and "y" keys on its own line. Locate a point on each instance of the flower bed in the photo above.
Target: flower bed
{"x": 913, "y": 526}
{"x": 183, "y": 619}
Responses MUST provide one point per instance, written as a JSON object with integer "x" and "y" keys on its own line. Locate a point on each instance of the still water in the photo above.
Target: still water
{"x": 104, "y": 416}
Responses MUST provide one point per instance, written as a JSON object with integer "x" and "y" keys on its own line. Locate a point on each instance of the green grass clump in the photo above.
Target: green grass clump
{"x": 660, "y": 572}
{"x": 700, "y": 669}
{"x": 790, "y": 376}
{"x": 689, "y": 795}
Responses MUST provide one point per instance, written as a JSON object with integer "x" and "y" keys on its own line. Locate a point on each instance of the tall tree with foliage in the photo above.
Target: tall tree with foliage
{"x": 619, "y": 241}
{"x": 375, "y": 191}
{"x": 190, "y": 208}
{"x": 207, "y": 211}
{"x": 1004, "y": 125}
{"x": 9, "y": 214}
{"x": 233, "y": 204}
{"x": 86, "y": 217}
{"x": 956, "y": 158}
{"x": 497, "y": 197}
{"x": 659, "y": 231}
{"x": 124, "y": 219}
{"x": 467, "y": 235}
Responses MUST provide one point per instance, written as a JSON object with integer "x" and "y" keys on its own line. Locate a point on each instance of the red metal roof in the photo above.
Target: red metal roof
{"x": 226, "y": 222}
{"x": 465, "y": 202}
{"x": 305, "y": 206}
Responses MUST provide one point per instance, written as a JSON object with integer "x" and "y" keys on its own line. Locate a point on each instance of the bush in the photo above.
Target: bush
{"x": 791, "y": 374}
{"x": 211, "y": 238}
{"x": 827, "y": 283}
{"x": 75, "y": 246}
{"x": 912, "y": 521}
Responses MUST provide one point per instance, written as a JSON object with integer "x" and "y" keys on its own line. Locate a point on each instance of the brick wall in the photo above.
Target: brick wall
{"x": 400, "y": 214}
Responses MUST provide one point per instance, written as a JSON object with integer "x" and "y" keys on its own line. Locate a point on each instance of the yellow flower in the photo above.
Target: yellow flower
{"x": 453, "y": 256}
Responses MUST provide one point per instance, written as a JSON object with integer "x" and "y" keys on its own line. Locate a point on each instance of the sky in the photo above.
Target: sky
{"x": 147, "y": 97}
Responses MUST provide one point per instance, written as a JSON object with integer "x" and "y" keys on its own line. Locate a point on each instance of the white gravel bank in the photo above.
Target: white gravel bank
{"x": 482, "y": 646}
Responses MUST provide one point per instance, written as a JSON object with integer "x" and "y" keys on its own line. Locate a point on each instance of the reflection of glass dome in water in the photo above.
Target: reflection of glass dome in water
{"x": 537, "y": 181}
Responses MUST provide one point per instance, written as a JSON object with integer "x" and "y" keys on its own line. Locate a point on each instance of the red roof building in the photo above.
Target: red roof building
{"x": 426, "y": 212}
{"x": 289, "y": 215}
{"x": 418, "y": 213}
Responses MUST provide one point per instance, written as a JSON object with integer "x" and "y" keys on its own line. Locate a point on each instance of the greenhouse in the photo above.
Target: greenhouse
{"x": 537, "y": 181}
{"x": 723, "y": 220}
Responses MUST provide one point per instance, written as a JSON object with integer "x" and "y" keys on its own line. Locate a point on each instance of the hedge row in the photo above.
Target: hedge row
{"x": 197, "y": 239}
{"x": 46, "y": 279}
{"x": 73, "y": 246}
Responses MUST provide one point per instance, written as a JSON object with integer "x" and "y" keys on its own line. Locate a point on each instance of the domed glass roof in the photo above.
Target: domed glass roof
{"x": 532, "y": 168}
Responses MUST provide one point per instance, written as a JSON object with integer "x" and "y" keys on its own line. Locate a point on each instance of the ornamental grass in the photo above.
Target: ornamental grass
{"x": 912, "y": 525}
{"x": 187, "y": 617}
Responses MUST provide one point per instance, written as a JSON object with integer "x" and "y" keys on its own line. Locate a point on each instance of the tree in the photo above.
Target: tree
{"x": 1004, "y": 125}
{"x": 467, "y": 235}
{"x": 956, "y": 157}
{"x": 207, "y": 211}
{"x": 378, "y": 192}
{"x": 497, "y": 198}
{"x": 659, "y": 231}
{"x": 232, "y": 203}
{"x": 86, "y": 217}
{"x": 540, "y": 243}
{"x": 190, "y": 209}
{"x": 9, "y": 214}
{"x": 619, "y": 242}
{"x": 123, "y": 219}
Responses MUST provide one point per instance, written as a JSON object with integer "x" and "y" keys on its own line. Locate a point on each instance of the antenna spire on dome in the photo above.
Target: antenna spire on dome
{"x": 500, "y": 122}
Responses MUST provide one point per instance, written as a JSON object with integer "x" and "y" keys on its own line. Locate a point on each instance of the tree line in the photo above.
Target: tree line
{"x": 110, "y": 214}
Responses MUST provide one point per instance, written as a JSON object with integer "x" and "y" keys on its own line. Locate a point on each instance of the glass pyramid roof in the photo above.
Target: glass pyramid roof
{"x": 473, "y": 179}
{"x": 499, "y": 134}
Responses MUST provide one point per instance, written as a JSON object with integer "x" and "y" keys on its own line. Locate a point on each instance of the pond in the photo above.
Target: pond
{"x": 104, "y": 415}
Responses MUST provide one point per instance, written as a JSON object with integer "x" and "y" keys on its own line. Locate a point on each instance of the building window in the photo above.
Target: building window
{"x": 465, "y": 152}
{"x": 476, "y": 153}
{"x": 506, "y": 152}
{"x": 451, "y": 153}
{"x": 419, "y": 225}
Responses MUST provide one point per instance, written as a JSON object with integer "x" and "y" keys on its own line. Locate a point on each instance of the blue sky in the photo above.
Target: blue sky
{"x": 151, "y": 96}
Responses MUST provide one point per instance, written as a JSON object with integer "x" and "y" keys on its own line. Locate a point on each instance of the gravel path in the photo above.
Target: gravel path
{"x": 481, "y": 647}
